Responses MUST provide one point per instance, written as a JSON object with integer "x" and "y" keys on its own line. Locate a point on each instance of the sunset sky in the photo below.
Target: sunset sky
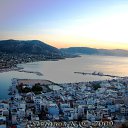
{"x": 66, "y": 23}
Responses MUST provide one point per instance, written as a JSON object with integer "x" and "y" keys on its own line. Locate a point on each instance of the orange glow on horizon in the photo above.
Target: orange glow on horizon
{"x": 68, "y": 41}
{"x": 84, "y": 23}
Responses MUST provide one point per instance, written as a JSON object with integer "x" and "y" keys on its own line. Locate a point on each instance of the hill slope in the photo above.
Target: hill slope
{"x": 28, "y": 47}
{"x": 13, "y": 52}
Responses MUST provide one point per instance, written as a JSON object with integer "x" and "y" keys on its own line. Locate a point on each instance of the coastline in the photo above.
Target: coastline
{"x": 2, "y": 70}
{"x": 37, "y": 73}
{"x": 20, "y": 69}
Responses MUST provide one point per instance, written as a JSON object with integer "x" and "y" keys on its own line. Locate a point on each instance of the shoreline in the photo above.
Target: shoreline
{"x": 20, "y": 69}
{"x": 10, "y": 69}
{"x": 37, "y": 73}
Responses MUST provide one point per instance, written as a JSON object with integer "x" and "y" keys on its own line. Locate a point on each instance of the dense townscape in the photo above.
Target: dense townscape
{"x": 35, "y": 100}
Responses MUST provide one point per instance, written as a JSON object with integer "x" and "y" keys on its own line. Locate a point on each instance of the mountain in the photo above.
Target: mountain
{"x": 13, "y": 52}
{"x": 79, "y": 50}
{"x": 43, "y": 50}
{"x": 33, "y": 47}
{"x": 94, "y": 51}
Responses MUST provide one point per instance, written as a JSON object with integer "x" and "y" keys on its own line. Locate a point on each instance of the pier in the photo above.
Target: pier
{"x": 37, "y": 73}
{"x": 98, "y": 74}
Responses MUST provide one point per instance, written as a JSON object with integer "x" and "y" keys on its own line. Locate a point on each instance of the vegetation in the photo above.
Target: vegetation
{"x": 96, "y": 86}
{"x": 37, "y": 88}
{"x": 21, "y": 89}
{"x": 26, "y": 90}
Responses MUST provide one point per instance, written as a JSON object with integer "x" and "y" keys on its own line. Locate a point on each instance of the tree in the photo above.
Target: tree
{"x": 96, "y": 86}
{"x": 26, "y": 90}
{"x": 37, "y": 88}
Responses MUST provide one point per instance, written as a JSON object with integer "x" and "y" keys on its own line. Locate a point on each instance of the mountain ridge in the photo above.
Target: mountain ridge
{"x": 27, "y": 46}
{"x": 36, "y": 47}
{"x": 94, "y": 51}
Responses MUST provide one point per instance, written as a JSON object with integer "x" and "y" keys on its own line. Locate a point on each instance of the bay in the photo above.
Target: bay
{"x": 62, "y": 71}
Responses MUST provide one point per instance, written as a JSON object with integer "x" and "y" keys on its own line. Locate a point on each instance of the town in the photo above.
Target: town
{"x": 35, "y": 100}
{"x": 10, "y": 61}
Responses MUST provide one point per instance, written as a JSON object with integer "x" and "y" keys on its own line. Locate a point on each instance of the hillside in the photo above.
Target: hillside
{"x": 13, "y": 52}
{"x": 34, "y": 47}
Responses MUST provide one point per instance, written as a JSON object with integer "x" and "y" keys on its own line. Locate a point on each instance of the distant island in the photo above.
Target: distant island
{"x": 94, "y": 51}
{"x": 13, "y": 52}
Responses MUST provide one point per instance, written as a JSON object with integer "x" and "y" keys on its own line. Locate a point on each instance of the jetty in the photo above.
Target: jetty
{"x": 98, "y": 74}
{"x": 37, "y": 73}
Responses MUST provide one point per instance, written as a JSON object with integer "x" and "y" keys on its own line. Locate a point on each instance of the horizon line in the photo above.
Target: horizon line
{"x": 76, "y": 46}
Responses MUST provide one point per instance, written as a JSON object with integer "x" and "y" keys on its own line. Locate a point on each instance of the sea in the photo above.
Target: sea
{"x": 62, "y": 71}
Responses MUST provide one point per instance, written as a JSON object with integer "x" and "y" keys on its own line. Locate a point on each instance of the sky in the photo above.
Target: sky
{"x": 66, "y": 23}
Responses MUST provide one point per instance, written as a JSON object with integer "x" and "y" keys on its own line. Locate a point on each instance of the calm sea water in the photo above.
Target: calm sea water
{"x": 63, "y": 70}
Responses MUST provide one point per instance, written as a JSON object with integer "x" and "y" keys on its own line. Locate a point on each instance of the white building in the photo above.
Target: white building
{"x": 2, "y": 122}
{"x": 38, "y": 103}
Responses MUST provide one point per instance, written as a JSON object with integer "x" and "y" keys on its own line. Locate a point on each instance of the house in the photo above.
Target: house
{"x": 17, "y": 97}
{"x": 4, "y": 105}
{"x": 21, "y": 113}
{"x": 14, "y": 119}
{"x": 124, "y": 110}
{"x": 4, "y": 109}
{"x": 30, "y": 104}
{"x": 4, "y": 112}
{"x": 68, "y": 113}
{"x": 126, "y": 99}
{"x": 53, "y": 111}
{"x": 111, "y": 108}
{"x": 35, "y": 118}
{"x": 119, "y": 101}
{"x": 90, "y": 116}
{"x": 90, "y": 101}
{"x": 38, "y": 103}
{"x": 30, "y": 96}
{"x": 64, "y": 105}
{"x": 29, "y": 113}
{"x": 2, "y": 122}
{"x": 22, "y": 105}
{"x": 81, "y": 110}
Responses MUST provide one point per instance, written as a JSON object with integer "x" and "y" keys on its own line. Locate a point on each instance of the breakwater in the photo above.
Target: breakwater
{"x": 98, "y": 74}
